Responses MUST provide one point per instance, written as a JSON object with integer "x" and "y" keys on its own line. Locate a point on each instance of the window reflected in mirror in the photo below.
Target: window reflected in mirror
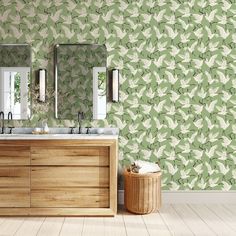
{"x": 15, "y": 84}
{"x": 99, "y": 92}
{"x": 15, "y": 71}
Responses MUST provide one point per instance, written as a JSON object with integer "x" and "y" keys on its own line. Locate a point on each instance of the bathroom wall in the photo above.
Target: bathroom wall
{"x": 15, "y": 56}
{"x": 178, "y": 65}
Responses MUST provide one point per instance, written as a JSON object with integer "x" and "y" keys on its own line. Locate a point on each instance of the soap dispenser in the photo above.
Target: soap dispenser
{"x": 45, "y": 128}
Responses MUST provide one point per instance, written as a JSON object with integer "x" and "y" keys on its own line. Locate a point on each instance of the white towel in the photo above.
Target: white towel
{"x": 143, "y": 167}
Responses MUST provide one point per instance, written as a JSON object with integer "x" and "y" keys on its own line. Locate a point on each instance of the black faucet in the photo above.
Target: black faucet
{"x": 10, "y": 117}
{"x": 80, "y": 118}
{"x": 2, "y": 118}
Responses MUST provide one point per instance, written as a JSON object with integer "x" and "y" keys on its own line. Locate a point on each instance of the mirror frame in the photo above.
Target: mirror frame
{"x": 56, "y": 69}
{"x": 31, "y": 76}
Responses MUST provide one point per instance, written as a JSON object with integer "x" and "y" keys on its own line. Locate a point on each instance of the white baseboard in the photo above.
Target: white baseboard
{"x": 197, "y": 197}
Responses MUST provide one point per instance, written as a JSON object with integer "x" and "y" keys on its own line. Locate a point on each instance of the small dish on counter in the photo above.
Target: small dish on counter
{"x": 39, "y": 131}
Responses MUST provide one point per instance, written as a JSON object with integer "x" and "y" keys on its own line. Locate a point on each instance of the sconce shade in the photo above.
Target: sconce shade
{"x": 115, "y": 85}
{"x": 42, "y": 85}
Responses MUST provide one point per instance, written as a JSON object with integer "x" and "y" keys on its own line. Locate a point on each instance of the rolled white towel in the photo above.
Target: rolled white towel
{"x": 146, "y": 167}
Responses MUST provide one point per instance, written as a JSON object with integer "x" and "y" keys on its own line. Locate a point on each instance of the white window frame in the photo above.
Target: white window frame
{"x": 23, "y": 71}
{"x": 97, "y": 114}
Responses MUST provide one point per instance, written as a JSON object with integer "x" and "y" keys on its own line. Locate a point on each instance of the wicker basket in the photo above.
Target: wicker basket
{"x": 142, "y": 192}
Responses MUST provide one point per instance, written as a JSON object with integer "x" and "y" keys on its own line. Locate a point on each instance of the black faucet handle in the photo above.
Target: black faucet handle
{"x": 80, "y": 115}
{"x": 11, "y": 129}
{"x": 72, "y": 131}
{"x": 89, "y": 127}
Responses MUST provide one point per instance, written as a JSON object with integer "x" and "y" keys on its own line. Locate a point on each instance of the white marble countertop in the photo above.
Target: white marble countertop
{"x": 55, "y": 136}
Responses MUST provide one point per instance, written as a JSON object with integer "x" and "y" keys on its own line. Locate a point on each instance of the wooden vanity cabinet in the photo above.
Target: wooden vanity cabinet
{"x": 58, "y": 177}
{"x": 14, "y": 176}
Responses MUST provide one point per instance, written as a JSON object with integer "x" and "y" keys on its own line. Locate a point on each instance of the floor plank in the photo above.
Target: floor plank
{"x": 114, "y": 226}
{"x": 231, "y": 208}
{"x": 134, "y": 225}
{"x": 177, "y": 219}
{"x": 93, "y": 226}
{"x": 175, "y": 224}
{"x": 51, "y": 226}
{"x": 30, "y": 226}
{"x": 192, "y": 220}
{"x": 2, "y": 219}
{"x": 72, "y": 226}
{"x": 11, "y": 225}
{"x": 155, "y": 225}
{"x": 212, "y": 220}
{"x": 225, "y": 215}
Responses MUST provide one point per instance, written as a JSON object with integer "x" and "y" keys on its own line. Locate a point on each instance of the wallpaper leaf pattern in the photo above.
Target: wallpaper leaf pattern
{"x": 178, "y": 65}
{"x": 15, "y": 56}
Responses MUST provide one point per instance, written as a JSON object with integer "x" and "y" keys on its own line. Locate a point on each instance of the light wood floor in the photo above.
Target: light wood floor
{"x": 179, "y": 219}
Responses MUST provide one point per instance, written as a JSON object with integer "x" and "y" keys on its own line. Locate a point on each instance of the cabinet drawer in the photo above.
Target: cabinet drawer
{"x": 70, "y": 197}
{"x": 14, "y": 155}
{"x": 83, "y": 156}
{"x": 14, "y": 197}
{"x": 69, "y": 177}
{"x": 14, "y": 177}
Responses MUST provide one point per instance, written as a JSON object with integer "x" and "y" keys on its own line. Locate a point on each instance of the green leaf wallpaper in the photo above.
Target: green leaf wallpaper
{"x": 15, "y": 56}
{"x": 178, "y": 64}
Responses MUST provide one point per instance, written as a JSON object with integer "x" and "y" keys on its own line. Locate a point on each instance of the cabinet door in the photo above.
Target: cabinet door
{"x": 14, "y": 197}
{"x": 58, "y": 176}
{"x": 70, "y": 186}
{"x": 70, "y": 156}
{"x": 14, "y": 187}
{"x": 14, "y": 155}
{"x": 14, "y": 177}
{"x": 70, "y": 197}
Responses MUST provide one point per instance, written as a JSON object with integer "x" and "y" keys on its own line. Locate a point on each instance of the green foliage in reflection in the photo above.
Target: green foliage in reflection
{"x": 17, "y": 88}
{"x": 17, "y": 84}
{"x": 101, "y": 83}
